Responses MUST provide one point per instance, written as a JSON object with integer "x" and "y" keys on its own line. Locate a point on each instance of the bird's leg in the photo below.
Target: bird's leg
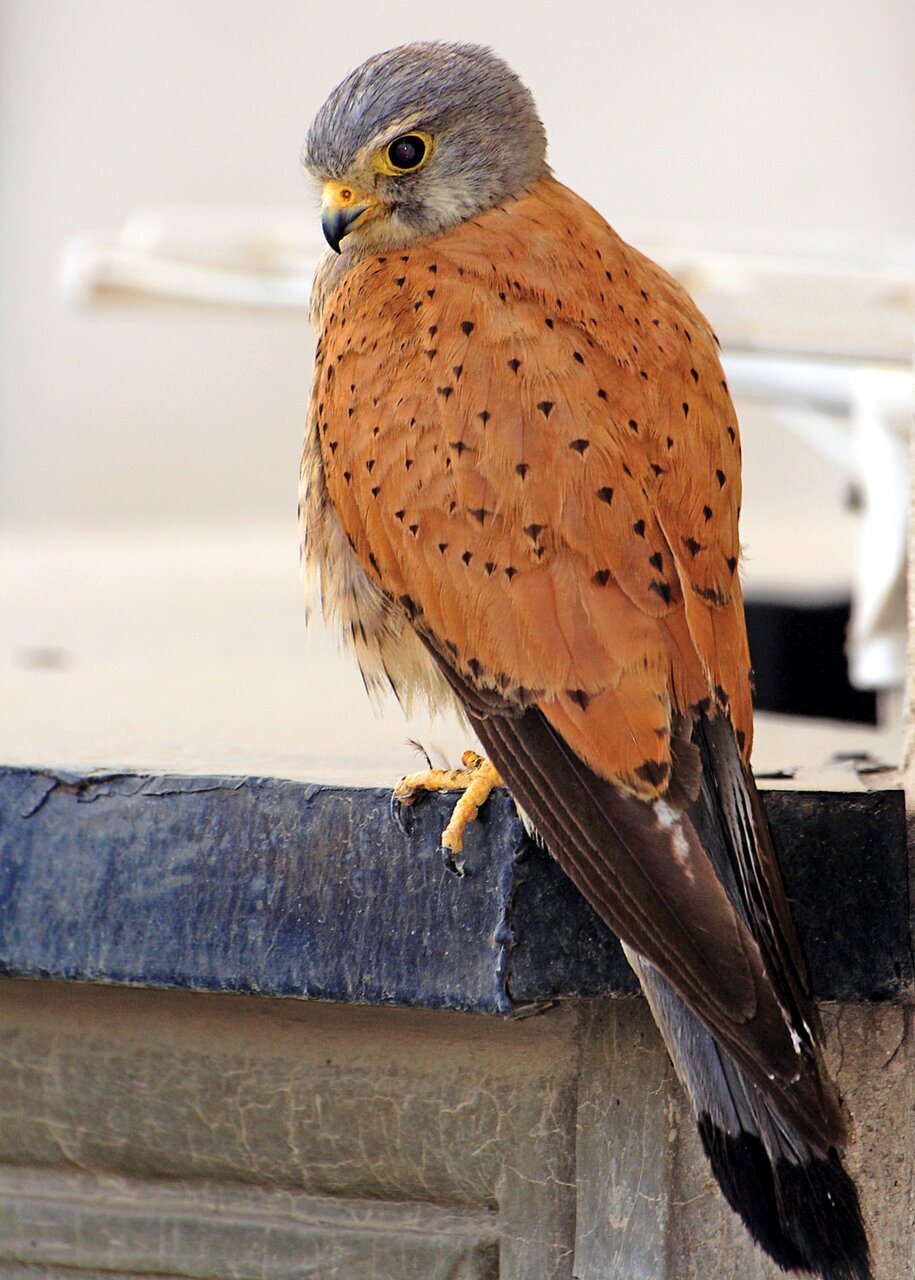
{"x": 476, "y": 780}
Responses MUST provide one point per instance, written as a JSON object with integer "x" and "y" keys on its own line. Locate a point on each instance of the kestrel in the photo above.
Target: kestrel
{"x": 521, "y": 491}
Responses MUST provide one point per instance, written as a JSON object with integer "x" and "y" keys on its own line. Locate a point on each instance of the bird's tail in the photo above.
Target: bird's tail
{"x": 799, "y": 1205}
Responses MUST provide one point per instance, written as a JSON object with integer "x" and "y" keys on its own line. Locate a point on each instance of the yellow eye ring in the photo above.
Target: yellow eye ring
{"x": 405, "y": 154}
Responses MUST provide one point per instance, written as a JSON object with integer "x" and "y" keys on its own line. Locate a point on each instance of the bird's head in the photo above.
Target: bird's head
{"x": 419, "y": 139}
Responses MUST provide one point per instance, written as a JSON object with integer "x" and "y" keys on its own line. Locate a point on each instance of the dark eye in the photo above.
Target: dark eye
{"x": 407, "y": 152}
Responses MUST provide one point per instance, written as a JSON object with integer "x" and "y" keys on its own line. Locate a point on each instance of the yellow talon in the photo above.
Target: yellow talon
{"x": 476, "y": 780}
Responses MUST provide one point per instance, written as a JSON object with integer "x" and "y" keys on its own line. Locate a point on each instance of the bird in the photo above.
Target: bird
{"x": 520, "y": 494}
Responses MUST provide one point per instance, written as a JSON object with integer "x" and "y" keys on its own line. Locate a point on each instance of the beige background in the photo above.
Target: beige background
{"x": 767, "y": 119}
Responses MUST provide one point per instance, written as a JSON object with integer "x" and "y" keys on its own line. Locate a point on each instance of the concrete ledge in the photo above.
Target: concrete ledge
{"x": 282, "y": 888}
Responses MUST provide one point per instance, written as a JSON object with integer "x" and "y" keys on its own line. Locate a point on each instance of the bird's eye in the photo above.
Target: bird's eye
{"x": 404, "y": 154}
{"x": 408, "y": 152}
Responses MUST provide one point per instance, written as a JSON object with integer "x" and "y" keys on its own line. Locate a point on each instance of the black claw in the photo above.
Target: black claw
{"x": 456, "y": 868}
{"x": 402, "y": 815}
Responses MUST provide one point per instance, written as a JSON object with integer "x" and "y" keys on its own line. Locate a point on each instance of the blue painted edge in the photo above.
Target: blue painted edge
{"x": 273, "y": 887}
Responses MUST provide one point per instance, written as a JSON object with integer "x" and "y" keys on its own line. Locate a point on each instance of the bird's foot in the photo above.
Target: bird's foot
{"x": 476, "y": 780}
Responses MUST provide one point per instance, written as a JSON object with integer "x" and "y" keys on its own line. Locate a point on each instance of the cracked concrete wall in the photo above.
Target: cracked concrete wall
{"x": 150, "y": 1132}
{"x": 277, "y": 1103}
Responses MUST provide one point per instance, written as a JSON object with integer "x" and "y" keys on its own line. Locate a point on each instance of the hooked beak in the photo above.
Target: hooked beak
{"x": 342, "y": 209}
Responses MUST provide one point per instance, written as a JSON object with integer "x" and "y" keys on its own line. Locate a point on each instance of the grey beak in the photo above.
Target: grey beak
{"x": 336, "y": 222}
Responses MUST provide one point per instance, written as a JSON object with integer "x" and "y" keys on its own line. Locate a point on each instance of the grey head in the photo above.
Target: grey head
{"x": 420, "y": 138}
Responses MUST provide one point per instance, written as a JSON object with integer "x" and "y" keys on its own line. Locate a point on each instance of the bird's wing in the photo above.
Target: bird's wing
{"x": 529, "y": 443}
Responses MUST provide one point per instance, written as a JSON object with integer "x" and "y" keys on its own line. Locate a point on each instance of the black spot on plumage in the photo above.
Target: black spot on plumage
{"x": 399, "y": 515}
{"x": 479, "y": 513}
{"x": 458, "y": 446}
{"x": 731, "y": 562}
{"x": 484, "y": 416}
{"x": 711, "y": 595}
{"x": 400, "y": 281}
{"x": 654, "y": 772}
{"x": 692, "y": 546}
{"x": 661, "y": 589}
{"x": 579, "y": 445}
{"x": 376, "y": 489}
{"x": 510, "y": 572}
{"x": 656, "y": 559}
{"x": 442, "y": 547}
{"x": 433, "y": 267}
{"x": 457, "y": 370}
{"x": 602, "y": 577}
{"x": 410, "y": 605}
{"x": 605, "y": 494}
{"x": 548, "y": 322}
{"x": 373, "y": 562}
{"x": 707, "y": 512}
{"x": 579, "y": 697}
{"x": 633, "y": 424}
{"x": 490, "y": 567}
{"x": 685, "y": 408}
{"x": 475, "y": 667}
{"x": 370, "y": 465}
{"x": 430, "y": 293}
{"x": 732, "y": 433}
{"x": 643, "y": 374}
{"x": 347, "y": 476}
{"x": 687, "y": 335}
{"x": 408, "y": 463}
{"x": 333, "y": 445}
{"x": 514, "y": 364}
{"x": 659, "y": 471}
{"x": 430, "y": 353}
{"x": 467, "y": 557}
{"x": 577, "y": 356}
{"x": 694, "y": 375}
{"x": 639, "y": 528}
{"x": 721, "y": 478}
{"x": 545, "y": 407}
{"x": 601, "y": 394}
{"x": 414, "y": 529}
{"x": 467, "y": 327}
{"x": 670, "y": 442}
{"x": 433, "y": 330}
{"x": 522, "y": 469}
{"x": 444, "y": 392}
{"x": 534, "y": 531}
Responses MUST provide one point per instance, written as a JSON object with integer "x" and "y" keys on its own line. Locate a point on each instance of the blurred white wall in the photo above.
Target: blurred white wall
{"x": 767, "y": 117}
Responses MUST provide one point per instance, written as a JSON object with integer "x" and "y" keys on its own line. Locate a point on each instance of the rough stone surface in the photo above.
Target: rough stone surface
{"x": 283, "y": 888}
